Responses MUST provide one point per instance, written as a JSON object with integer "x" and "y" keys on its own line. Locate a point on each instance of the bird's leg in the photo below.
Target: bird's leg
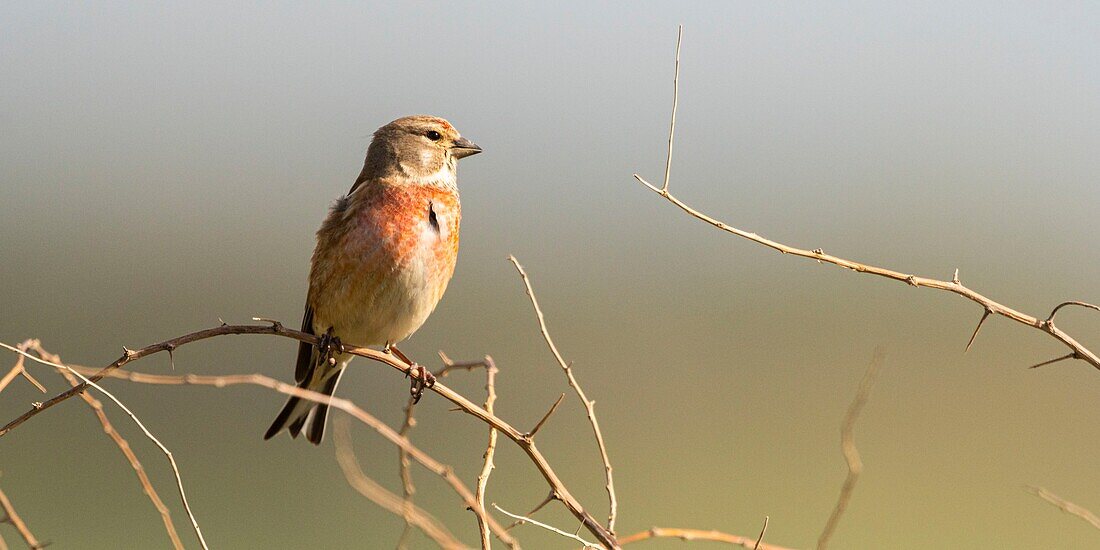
{"x": 422, "y": 378}
{"x": 329, "y": 343}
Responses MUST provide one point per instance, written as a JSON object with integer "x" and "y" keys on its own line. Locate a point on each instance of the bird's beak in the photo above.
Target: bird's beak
{"x": 463, "y": 148}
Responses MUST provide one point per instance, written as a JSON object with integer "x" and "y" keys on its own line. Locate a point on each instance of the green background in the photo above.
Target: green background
{"x": 162, "y": 167}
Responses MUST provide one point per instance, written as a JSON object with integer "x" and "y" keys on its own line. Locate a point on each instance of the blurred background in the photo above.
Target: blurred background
{"x": 165, "y": 166}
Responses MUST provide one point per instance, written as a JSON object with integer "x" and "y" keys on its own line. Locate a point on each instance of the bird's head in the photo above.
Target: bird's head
{"x": 423, "y": 149}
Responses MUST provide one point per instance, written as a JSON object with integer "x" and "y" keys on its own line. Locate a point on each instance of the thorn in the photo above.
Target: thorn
{"x": 955, "y": 277}
{"x": 171, "y": 357}
{"x": 220, "y": 320}
{"x": 1055, "y": 360}
{"x": 912, "y": 280}
{"x": 977, "y": 328}
{"x": 128, "y": 352}
{"x": 37, "y": 404}
{"x": 531, "y": 434}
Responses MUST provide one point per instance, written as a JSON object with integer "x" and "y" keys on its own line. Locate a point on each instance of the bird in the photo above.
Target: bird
{"x": 384, "y": 256}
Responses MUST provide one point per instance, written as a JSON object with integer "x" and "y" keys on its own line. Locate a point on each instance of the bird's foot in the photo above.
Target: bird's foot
{"x": 329, "y": 346}
{"x": 422, "y": 379}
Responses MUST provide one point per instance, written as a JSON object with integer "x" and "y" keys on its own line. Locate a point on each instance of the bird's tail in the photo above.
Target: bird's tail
{"x": 299, "y": 414}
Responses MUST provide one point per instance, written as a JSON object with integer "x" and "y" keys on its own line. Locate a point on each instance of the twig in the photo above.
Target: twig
{"x": 349, "y": 463}
{"x": 17, "y": 522}
{"x": 763, "y": 530}
{"x": 407, "y": 487}
{"x": 1066, "y": 506}
{"x": 1050, "y": 319}
{"x": 123, "y": 445}
{"x": 18, "y": 370}
{"x": 953, "y": 286}
{"x": 549, "y": 498}
{"x": 589, "y": 406}
{"x": 675, "y": 102}
{"x": 545, "y": 417}
{"x": 148, "y": 434}
{"x": 848, "y": 446}
{"x": 347, "y": 406}
{"x": 529, "y": 448}
{"x": 547, "y": 527}
{"x": 490, "y": 450}
{"x": 689, "y": 535}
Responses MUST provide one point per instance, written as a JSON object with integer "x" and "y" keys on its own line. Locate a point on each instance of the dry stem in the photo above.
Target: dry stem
{"x": 589, "y": 406}
{"x": 1066, "y": 506}
{"x": 349, "y": 463}
{"x": 163, "y": 449}
{"x": 1078, "y": 351}
{"x": 550, "y": 528}
{"x": 699, "y": 535}
{"x": 848, "y": 446}
{"x": 123, "y": 445}
{"x": 490, "y": 450}
{"x": 17, "y": 522}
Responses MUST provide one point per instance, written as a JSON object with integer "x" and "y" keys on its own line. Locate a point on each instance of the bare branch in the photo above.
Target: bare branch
{"x": 848, "y": 446}
{"x": 1066, "y": 506}
{"x": 123, "y": 445}
{"x": 953, "y": 286}
{"x": 349, "y": 463}
{"x": 389, "y": 433}
{"x": 689, "y": 535}
{"x": 1071, "y": 303}
{"x": 17, "y": 522}
{"x": 148, "y": 434}
{"x": 547, "y": 527}
{"x": 490, "y": 450}
{"x": 589, "y": 406}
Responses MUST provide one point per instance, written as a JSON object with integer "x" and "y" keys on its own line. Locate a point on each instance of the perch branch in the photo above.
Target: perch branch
{"x": 349, "y": 463}
{"x": 848, "y": 446}
{"x": 530, "y": 449}
{"x": 589, "y": 406}
{"x": 953, "y": 286}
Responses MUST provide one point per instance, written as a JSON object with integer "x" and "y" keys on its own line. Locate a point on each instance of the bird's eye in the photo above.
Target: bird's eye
{"x": 433, "y": 135}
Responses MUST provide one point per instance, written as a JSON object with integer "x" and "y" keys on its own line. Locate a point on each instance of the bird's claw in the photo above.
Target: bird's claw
{"x": 422, "y": 379}
{"x": 329, "y": 346}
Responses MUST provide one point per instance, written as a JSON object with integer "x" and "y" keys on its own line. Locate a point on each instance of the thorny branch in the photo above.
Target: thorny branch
{"x": 589, "y": 406}
{"x": 274, "y": 328}
{"x": 148, "y": 434}
{"x": 123, "y": 445}
{"x": 1078, "y": 350}
{"x": 848, "y": 446}
{"x": 407, "y": 486}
